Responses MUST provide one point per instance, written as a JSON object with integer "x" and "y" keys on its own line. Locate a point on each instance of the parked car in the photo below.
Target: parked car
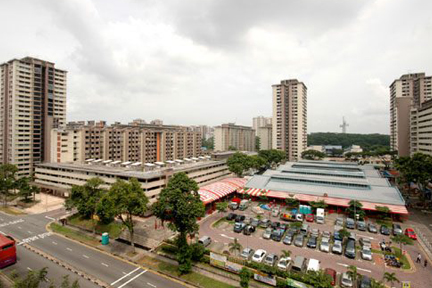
{"x": 337, "y": 247}
{"x": 352, "y": 236}
{"x": 346, "y": 280}
{"x": 315, "y": 232}
{"x": 239, "y": 226}
{"x": 259, "y": 255}
{"x": 284, "y": 263}
{"x": 248, "y": 230}
{"x": 255, "y": 222}
{"x": 265, "y": 223}
{"x": 325, "y": 245}
{"x": 275, "y": 211}
{"x": 410, "y": 233}
{"x": 288, "y": 238}
{"x": 267, "y": 233}
{"x": 299, "y": 240}
{"x": 205, "y": 241}
{"x": 365, "y": 242}
{"x": 283, "y": 226}
{"x": 366, "y": 254}
{"x": 275, "y": 225}
{"x": 299, "y": 217}
{"x": 361, "y": 225}
{"x": 299, "y": 264}
{"x": 277, "y": 235}
{"x": 332, "y": 273}
{"x": 304, "y": 229}
{"x": 339, "y": 221}
{"x": 365, "y": 282}
{"x": 247, "y": 253}
{"x": 309, "y": 218}
{"x": 337, "y": 236}
{"x": 384, "y": 230}
{"x": 231, "y": 216}
{"x": 313, "y": 265}
{"x": 397, "y": 229}
{"x": 372, "y": 228}
{"x": 240, "y": 218}
{"x": 271, "y": 259}
{"x": 312, "y": 242}
{"x": 350, "y": 249}
{"x": 326, "y": 234}
{"x": 350, "y": 224}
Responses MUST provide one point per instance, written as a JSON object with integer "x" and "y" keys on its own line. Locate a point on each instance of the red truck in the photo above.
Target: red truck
{"x": 7, "y": 251}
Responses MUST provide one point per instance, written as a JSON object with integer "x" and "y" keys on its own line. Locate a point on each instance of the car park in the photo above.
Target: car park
{"x": 247, "y": 253}
{"x": 309, "y": 218}
{"x": 365, "y": 282}
{"x": 365, "y": 242}
{"x": 397, "y": 229}
{"x": 277, "y": 235}
{"x": 361, "y": 225}
{"x": 205, "y": 241}
{"x": 255, "y": 222}
{"x": 276, "y": 211}
{"x": 332, "y": 273}
{"x": 410, "y": 233}
{"x": 299, "y": 264}
{"x": 366, "y": 254}
{"x": 299, "y": 240}
{"x": 350, "y": 224}
{"x": 337, "y": 247}
{"x": 239, "y": 226}
{"x": 346, "y": 280}
{"x": 248, "y": 230}
{"x": 240, "y": 218}
{"x": 350, "y": 249}
{"x": 259, "y": 255}
{"x": 372, "y": 228}
{"x": 267, "y": 233}
{"x": 231, "y": 216}
{"x": 384, "y": 230}
{"x": 265, "y": 223}
{"x": 315, "y": 232}
{"x": 325, "y": 245}
{"x": 271, "y": 259}
{"x": 312, "y": 242}
{"x": 284, "y": 263}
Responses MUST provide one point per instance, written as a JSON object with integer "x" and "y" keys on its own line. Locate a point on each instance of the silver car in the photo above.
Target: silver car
{"x": 247, "y": 253}
{"x": 337, "y": 247}
{"x": 267, "y": 233}
{"x": 270, "y": 259}
{"x": 366, "y": 243}
{"x": 325, "y": 245}
{"x": 366, "y": 254}
{"x": 346, "y": 280}
{"x": 326, "y": 234}
{"x": 315, "y": 232}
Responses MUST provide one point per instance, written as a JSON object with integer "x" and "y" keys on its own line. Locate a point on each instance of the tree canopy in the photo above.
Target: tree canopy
{"x": 417, "y": 168}
{"x": 367, "y": 141}
{"x": 312, "y": 155}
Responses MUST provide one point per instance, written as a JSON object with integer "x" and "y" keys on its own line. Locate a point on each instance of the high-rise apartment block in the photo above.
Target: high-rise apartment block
{"x": 421, "y": 129}
{"x": 32, "y": 102}
{"x": 206, "y": 131}
{"x": 145, "y": 143}
{"x": 290, "y": 118}
{"x": 406, "y": 93}
{"x": 234, "y": 136}
{"x": 265, "y": 137}
{"x": 260, "y": 121}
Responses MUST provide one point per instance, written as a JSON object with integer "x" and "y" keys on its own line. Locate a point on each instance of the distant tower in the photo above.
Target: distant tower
{"x": 344, "y": 125}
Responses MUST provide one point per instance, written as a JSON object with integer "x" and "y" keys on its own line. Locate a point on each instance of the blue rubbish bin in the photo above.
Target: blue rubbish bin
{"x": 105, "y": 238}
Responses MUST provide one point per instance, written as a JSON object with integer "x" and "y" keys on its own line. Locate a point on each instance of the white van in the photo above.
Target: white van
{"x": 244, "y": 205}
{"x": 320, "y": 216}
{"x": 205, "y": 241}
{"x": 313, "y": 265}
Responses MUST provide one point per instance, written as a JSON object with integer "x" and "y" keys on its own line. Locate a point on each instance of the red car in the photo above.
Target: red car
{"x": 310, "y": 218}
{"x": 332, "y": 274}
{"x": 410, "y": 233}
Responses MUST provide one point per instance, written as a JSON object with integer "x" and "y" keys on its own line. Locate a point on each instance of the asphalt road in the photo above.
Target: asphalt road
{"x": 31, "y": 230}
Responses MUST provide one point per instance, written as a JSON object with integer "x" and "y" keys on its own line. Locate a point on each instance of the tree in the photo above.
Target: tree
{"x": 352, "y": 272}
{"x": 344, "y": 233}
{"x": 355, "y": 207}
{"x": 319, "y": 279}
{"x": 245, "y": 276}
{"x": 7, "y": 181}
{"x": 239, "y": 163}
{"x": 232, "y": 148}
{"x": 235, "y": 246}
{"x": 417, "y": 169}
{"x": 376, "y": 284}
{"x": 86, "y": 199}
{"x": 390, "y": 278}
{"x": 66, "y": 284}
{"x": 292, "y": 202}
{"x": 128, "y": 200}
{"x": 222, "y": 206}
{"x": 366, "y": 141}
{"x": 384, "y": 210}
{"x": 257, "y": 143}
{"x": 208, "y": 144}
{"x": 180, "y": 204}
{"x": 402, "y": 240}
{"x": 286, "y": 253}
{"x": 312, "y": 155}
{"x": 272, "y": 157}
{"x": 25, "y": 191}
{"x": 256, "y": 162}
{"x": 33, "y": 279}
{"x": 318, "y": 204}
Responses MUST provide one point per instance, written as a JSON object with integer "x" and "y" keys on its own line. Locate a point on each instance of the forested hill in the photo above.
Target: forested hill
{"x": 366, "y": 141}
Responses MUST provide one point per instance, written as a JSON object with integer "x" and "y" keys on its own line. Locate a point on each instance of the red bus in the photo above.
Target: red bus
{"x": 7, "y": 251}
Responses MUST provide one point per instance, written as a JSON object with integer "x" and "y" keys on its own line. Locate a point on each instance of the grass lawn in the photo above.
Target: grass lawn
{"x": 114, "y": 229}
{"x": 201, "y": 280}
{"x": 403, "y": 258}
{"x": 219, "y": 222}
{"x": 11, "y": 211}
{"x": 76, "y": 235}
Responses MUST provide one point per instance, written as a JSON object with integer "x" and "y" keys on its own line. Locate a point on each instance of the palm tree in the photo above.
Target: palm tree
{"x": 286, "y": 253}
{"x": 352, "y": 272}
{"x": 235, "y": 246}
{"x": 390, "y": 277}
{"x": 376, "y": 284}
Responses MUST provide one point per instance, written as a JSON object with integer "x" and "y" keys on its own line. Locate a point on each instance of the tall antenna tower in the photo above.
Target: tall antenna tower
{"x": 344, "y": 125}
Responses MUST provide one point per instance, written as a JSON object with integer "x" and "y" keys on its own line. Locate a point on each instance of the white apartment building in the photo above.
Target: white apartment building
{"x": 242, "y": 138}
{"x": 421, "y": 129}
{"x": 265, "y": 137}
{"x": 290, "y": 118}
{"x": 32, "y": 102}
{"x": 260, "y": 121}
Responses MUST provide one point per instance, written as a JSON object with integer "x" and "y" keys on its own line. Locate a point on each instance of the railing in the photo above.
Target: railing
{"x": 424, "y": 240}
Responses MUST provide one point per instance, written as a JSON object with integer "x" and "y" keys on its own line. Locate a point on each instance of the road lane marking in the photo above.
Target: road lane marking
{"x": 85, "y": 256}
{"x": 106, "y": 265}
{"x": 124, "y": 273}
{"x": 19, "y": 227}
{"x": 28, "y": 268}
{"x": 69, "y": 249}
{"x": 11, "y": 222}
{"x": 30, "y": 232}
{"x": 55, "y": 243}
{"x": 223, "y": 235}
{"x": 342, "y": 264}
{"x": 50, "y": 218}
{"x": 34, "y": 238}
{"x": 365, "y": 270}
{"x": 132, "y": 279}
{"x": 154, "y": 286}
{"x": 125, "y": 276}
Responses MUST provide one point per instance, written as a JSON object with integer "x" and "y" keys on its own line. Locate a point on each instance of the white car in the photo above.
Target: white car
{"x": 267, "y": 233}
{"x": 366, "y": 254}
{"x": 284, "y": 263}
{"x": 325, "y": 245}
{"x": 275, "y": 211}
{"x": 366, "y": 243}
{"x": 346, "y": 280}
{"x": 337, "y": 247}
{"x": 259, "y": 255}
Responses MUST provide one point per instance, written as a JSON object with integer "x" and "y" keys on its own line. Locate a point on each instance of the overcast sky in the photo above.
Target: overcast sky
{"x": 209, "y": 62}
